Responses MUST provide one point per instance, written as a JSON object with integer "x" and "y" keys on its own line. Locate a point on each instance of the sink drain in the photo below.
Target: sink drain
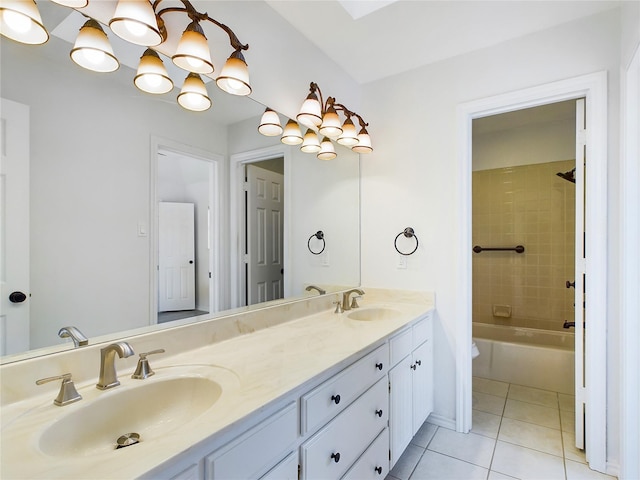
{"x": 127, "y": 440}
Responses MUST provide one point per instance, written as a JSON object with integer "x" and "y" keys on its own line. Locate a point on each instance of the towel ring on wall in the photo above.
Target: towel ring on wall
{"x": 320, "y": 236}
{"x": 408, "y": 233}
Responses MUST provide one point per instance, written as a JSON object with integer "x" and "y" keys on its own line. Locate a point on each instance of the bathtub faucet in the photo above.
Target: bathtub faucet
{"x": 568, "y": 324}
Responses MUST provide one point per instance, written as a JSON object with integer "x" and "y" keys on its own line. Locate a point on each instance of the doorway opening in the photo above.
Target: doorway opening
{"x": 186, "y": 238}
{"x": 593, "y": 88}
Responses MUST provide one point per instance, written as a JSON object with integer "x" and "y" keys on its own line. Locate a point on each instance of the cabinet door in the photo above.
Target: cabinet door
{"x": 422, "y": 385}
{"x": 400, "y": 407}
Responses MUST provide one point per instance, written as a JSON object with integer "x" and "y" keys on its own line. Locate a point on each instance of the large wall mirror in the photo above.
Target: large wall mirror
{"x": 106, "y": 159}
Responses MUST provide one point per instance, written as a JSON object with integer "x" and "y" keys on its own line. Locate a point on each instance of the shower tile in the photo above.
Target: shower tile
{"x": 542, "y": 439}
{"x": 526, "y": 464}
{"x": 568, "y": 420}
{"x": 488, "y": 403}
{"x": 491, "y": 387}
{"x": 567, "y": 402}
{"x": 468, "y": 447}
{"x": 434, "y": 466}
{"x": 528, "y": 412}
{"x": 571, "y": 452}
{"x": 486, "y": 424}
{"x": 533, "y": 395}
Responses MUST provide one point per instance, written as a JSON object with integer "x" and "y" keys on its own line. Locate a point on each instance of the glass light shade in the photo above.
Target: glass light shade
{"x": 349, "y": 136}
{"x": 92, "y": 49}
{"x": 234, "y": 77}
{"x": 193, "y": 53}
{"x": 310, "y": 143}
{"x": 364, "y": 143}
{"x": 330, "y": 123}
{"x": 135, "y": 21}
{"x": 311, "y": 112}
{"x": 327, "y": 150}
{"x": 193, "y": 95}
{"x": 152, "y": 76}
{"x": 292, "y": 134}
{"x": 72, "y": 3}
{"x": 270, "y": 124}
{"x": 20, "y": 20}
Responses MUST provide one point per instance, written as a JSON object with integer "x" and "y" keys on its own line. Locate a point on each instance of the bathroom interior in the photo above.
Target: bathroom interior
{"x": 105, "y": 194}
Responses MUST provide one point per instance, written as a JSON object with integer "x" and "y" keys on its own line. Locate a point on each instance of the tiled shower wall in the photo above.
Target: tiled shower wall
{"x": 530, "y": 206}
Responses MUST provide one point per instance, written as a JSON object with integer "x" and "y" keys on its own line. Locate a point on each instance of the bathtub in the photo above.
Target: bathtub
{"x": 525, "y": 356}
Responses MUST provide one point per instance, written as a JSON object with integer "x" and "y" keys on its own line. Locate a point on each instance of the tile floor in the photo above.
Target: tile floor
{"x": 518, "y": 432}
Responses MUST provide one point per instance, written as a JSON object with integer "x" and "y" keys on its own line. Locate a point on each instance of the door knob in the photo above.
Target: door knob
{"x": 17, "y": 297}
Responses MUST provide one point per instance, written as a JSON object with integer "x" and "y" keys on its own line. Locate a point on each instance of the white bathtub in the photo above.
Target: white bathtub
{"x": 525, "y": 356}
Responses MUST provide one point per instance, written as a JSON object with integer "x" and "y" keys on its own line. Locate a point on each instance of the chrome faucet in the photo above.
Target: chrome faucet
{"x": 108, "y": 377}
{"x": 79, "y": 340}
{"x": 321, "y": 291}
{"x": 345, "y": 299}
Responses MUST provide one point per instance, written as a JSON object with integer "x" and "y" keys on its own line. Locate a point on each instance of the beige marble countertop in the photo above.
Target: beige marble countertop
{"x": 254, "y": 369}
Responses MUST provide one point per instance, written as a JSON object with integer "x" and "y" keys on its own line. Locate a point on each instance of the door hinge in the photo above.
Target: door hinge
{"x": 209, "y": 274}
{"x": 581, "y": 136}
{"x": 245, "y": 258}
{"x": 245, "y": 186}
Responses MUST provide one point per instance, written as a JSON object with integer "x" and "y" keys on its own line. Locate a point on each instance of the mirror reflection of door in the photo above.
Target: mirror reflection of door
{"x": 185, "y": 189}
{"x": 264, "y": 196}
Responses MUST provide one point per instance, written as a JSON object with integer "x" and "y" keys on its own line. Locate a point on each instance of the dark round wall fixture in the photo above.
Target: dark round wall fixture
{"x": 320, "y": 236}
{"x": 408, "y": 233}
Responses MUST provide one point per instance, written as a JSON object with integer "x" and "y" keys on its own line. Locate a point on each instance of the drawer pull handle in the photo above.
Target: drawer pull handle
{"x": 378, "y": 470}
{"x": 419, "y": 362}
{"x": 336, "y": 399}
{"x": 379, "y": 413}
{"x": 414, "y": 366}
{"x": 379, "y": 366}
{"x": 336, "y": 457}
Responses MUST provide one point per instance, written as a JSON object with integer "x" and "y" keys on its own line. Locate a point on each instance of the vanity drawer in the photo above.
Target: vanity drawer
{"x": 400, "y": 346}
{"x": 325, "y": 401}
{"x": 285, "y": 470}
{"x": 331, "y": 451}
{"x": 257, "y": 450}
{"x": 422, "y": 331}
{"x": 374, "y": 462}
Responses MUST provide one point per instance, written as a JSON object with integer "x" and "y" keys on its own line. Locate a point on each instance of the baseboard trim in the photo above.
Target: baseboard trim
{"x": 441, "y": 421}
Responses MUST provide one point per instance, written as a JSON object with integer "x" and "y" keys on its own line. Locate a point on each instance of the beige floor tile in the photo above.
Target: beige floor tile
{"x": 567, "y": 402}
{"x": 579, "y": 471}
{"x": 491, "y": 387}
{"x": 527, "y": 464}
{"x": 434, "y": 466}
{"x": 568, "y": 421}
{"x": 533, "y": 395}
{"x": 571, "y": 452}
{"x": 486, "y": 424}
{"x": 488, "y": 403}
{"x": 543, "y": 439}
{"x": 424, "y": 435}
{"x": 528, "y": 412}
{"x": 407, "y": 462}
{"x": 467, "y": 447}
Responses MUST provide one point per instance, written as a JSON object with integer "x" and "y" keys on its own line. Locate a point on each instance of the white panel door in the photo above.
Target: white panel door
{"x": 176, "y": 257}
{"x": 14, "y": 221}
{"x": 580, "y": 276}
{"x": 265, "y": 216}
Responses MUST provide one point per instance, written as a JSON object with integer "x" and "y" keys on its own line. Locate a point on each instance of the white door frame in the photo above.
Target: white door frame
{"x": 594, "y": 88}
{"x": 215, "y": 200}
{"x": 236, "y": 218}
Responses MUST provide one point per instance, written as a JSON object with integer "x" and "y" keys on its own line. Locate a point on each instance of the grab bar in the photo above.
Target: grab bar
{"x": 517, "y": 249}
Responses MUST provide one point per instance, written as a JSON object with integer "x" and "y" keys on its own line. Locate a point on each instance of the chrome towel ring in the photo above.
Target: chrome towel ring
{"x": 408, "y": 233}
{"x": 320, "y": 236}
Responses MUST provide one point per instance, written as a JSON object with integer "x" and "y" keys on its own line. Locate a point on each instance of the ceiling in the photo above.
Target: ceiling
{"x": 373, "y": 39}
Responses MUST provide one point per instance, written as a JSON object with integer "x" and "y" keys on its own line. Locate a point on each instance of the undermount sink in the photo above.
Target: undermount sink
{"x": 151, "y": 408}
{"x": 373, "y": 313}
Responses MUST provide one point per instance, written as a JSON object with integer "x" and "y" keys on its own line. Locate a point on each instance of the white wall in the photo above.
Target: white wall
{"x": 413, "y": 124}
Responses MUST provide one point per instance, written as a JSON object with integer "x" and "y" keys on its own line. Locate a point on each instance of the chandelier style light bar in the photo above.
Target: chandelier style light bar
{"x": 315, "y": 114}
{"x": 140, "y": 22}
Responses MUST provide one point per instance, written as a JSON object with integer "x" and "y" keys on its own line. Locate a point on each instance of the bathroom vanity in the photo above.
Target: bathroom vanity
{"x": 296, "y": 391}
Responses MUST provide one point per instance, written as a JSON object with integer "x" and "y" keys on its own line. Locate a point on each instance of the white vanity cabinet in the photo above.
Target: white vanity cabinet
{"x": 410, "y": 383}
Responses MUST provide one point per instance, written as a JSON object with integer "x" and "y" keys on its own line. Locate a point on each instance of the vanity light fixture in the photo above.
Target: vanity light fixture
{"x": 20, "y": 20}
{"x": 270, "y": 124}
{"x": 323, "y": 116}
{"x": 141, "y": 22}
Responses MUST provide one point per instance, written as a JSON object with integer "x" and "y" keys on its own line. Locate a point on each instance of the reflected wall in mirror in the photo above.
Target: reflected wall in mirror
{"x": 93, "y": 146}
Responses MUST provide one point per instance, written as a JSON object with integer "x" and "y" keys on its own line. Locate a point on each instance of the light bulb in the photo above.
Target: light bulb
{"x": 17, "y": 21}
{"x": 95, "y": 57}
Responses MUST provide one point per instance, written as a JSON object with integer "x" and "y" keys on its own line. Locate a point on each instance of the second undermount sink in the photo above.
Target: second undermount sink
{"x": 151, "y": 408}
{"x": 373, "y": 313}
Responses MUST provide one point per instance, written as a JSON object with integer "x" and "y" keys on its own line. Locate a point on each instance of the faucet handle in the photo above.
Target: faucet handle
{"x": 67, "y": 394}
{"x": 354, "y": 301}
{"x": 143, "y": 370}
{"x": 339, "y": 308}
